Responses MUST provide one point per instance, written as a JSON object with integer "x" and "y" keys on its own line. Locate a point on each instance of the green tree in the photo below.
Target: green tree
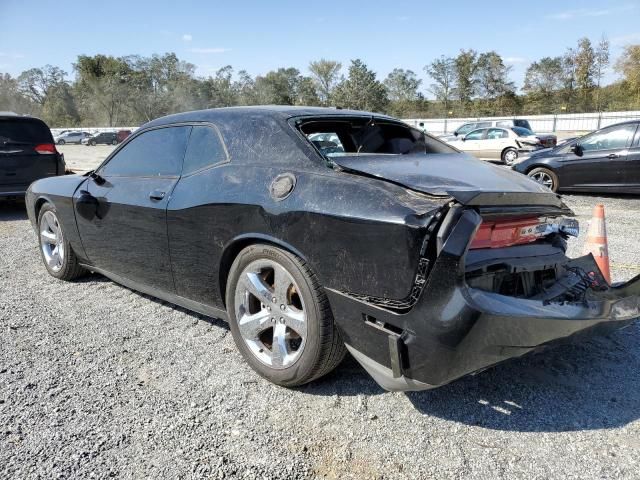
{"x": 442, "y": 72}
{"x": 279, "y": 87}
{"x": 103, "y": 83}
{"x": 402, "y": 90}
{"x": 492, "y": 80}
{"x": 12, "y": 99}
{"x": 601, "y": 64}
{"x": 361, "y": 90}
{"x": 37, "y": 83}
{"x": 465, "y": 66}
{"x": 542, "y": 80}
{"x": 222, "y": 87}
{"x": 245, "y": 87}
{"x": 585, "y": 72}
{"x": 628, "y": 65}
{"x": 48, "y": 88}
{"x": 307, "y": 93}
{"x": 325, "y": 74}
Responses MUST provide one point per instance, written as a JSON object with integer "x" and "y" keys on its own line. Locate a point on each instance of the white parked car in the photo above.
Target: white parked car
{"x": 71, "y": 137}
{"x": 504, "y": 144}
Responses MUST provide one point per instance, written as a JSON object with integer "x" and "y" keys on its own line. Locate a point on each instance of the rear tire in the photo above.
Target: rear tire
{"x": 57, "y": 255}
{"x": 114, "y": 142}
{"x": 545, "y": 177}
{"x": 509, "y": 155}
{"x": 92, "y": 143}
{"x": 280, "y": 317}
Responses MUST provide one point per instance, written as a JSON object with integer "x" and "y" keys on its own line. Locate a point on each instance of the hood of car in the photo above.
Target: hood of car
{"x": 468, "y": 180}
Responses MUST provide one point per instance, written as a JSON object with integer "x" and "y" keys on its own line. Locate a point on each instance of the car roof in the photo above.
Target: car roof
{"x": 16, "y": 116}
{"x": 281, "y": 111}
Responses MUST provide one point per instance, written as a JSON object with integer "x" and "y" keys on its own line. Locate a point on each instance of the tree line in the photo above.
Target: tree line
{"x": 130, "y": 90}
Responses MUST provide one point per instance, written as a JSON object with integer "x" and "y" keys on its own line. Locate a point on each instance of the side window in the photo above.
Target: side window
{"x": 475, "y": 135}
{"x": 466, "y": 128}
{"x": 496, "y": 133}
{"x": 506, "y": 123}
{"x": 156, "y": 153}
{"x": 205, "y": 149}
{"x": 609, "y": 138}
{"x": 483, "y": 124}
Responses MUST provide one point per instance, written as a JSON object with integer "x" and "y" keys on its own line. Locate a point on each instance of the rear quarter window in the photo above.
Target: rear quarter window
{"x": 205, "y": 149}
{"x": 23, "y": 130}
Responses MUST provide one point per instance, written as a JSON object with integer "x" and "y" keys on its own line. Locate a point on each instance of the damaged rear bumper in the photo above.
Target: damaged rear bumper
{"x": 454, "y": 330}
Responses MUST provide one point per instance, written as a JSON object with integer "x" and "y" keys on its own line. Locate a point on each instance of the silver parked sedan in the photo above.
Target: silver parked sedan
{"x": 504, "y": 144}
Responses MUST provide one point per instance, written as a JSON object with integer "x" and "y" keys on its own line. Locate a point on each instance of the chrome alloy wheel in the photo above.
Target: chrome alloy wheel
{"x": 52, "y": 241}
{"x": 270, "y": 313}
{"x": 544, "y": 179}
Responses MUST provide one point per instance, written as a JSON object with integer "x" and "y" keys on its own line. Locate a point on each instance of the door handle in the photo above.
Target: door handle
{"x": 157, "y": 195}
{"x": 613, "y": 155}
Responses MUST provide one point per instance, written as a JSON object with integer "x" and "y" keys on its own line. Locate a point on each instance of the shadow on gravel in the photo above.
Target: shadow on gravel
{"x": 12, "y": 210}
{"x": 348, "y": 379}
{"x": 595, "y": 385}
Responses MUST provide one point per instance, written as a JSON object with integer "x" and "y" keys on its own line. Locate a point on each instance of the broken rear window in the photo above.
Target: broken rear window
{"x": 349, "y": 136}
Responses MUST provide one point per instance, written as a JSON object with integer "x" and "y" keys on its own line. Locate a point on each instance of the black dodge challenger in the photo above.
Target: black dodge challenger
{"x": 316, "y": 231}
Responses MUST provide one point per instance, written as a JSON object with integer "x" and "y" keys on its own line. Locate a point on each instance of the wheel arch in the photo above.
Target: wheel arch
{"x": 239, "y": 243}
{"x": 539, "y": 165}
{"x": 507, "y": 148}
{"x": 38, "y": 204}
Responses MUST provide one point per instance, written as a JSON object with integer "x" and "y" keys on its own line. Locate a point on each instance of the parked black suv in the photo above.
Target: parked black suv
{"x": 107, "y": 138}
{"x": 27, "y": 153}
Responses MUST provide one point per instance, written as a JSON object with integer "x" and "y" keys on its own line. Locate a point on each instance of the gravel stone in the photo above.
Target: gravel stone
{"x": 99, "y": 381}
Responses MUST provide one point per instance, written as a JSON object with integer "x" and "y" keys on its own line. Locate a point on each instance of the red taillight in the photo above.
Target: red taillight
{"x": 45, "y": 148}
{"x": 504, "y": 233}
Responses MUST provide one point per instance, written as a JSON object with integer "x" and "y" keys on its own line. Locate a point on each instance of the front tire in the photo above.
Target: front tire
{"x": 114, "y": 142}
{"x": 280, "y": 317}
{"x": 92, "y": 143}
{"x": 509, "y": 156}
{"x": 61, "y": 142}
{"x": 59, "y": 258}
{"x": 545, "y": 177}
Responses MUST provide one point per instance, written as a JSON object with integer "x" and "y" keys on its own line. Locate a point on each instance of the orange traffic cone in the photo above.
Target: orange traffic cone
{"x": 596, "y": 243}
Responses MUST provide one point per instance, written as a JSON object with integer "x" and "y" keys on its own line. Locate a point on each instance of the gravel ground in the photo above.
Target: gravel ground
{"x": 81, "y": 158}
{"x": 97, "y": 380}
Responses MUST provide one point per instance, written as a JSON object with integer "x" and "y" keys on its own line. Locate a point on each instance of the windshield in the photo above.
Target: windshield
{"x": 367, "y": 135}
{"x": 522, "y": 132}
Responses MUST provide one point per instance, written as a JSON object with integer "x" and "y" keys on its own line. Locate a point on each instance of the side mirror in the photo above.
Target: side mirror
{"x": 462, "y": 138}
{"x": 455, "y": 133}
{"x": 577, "y": 149}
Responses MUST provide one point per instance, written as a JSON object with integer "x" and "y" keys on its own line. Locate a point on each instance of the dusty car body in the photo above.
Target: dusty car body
{"x": 434, "y": 265}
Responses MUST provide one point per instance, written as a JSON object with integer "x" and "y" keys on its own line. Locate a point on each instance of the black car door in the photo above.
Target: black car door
{"x": 121, "y": 212}
{"x": 599, "y": 163}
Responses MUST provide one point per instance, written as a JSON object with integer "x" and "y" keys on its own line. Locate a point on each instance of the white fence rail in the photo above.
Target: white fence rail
{"x": 566, "y": 122}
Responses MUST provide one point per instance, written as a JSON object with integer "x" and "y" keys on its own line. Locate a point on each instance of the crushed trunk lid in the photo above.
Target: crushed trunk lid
{"x": 468, "y": 180}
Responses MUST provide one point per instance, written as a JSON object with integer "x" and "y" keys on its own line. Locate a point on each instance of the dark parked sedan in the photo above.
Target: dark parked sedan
{"x": 104, "y": 138}
{"x": 607, "y": 160}
{"x": 421, "y": 261}
{"x": 27, "y": 153}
